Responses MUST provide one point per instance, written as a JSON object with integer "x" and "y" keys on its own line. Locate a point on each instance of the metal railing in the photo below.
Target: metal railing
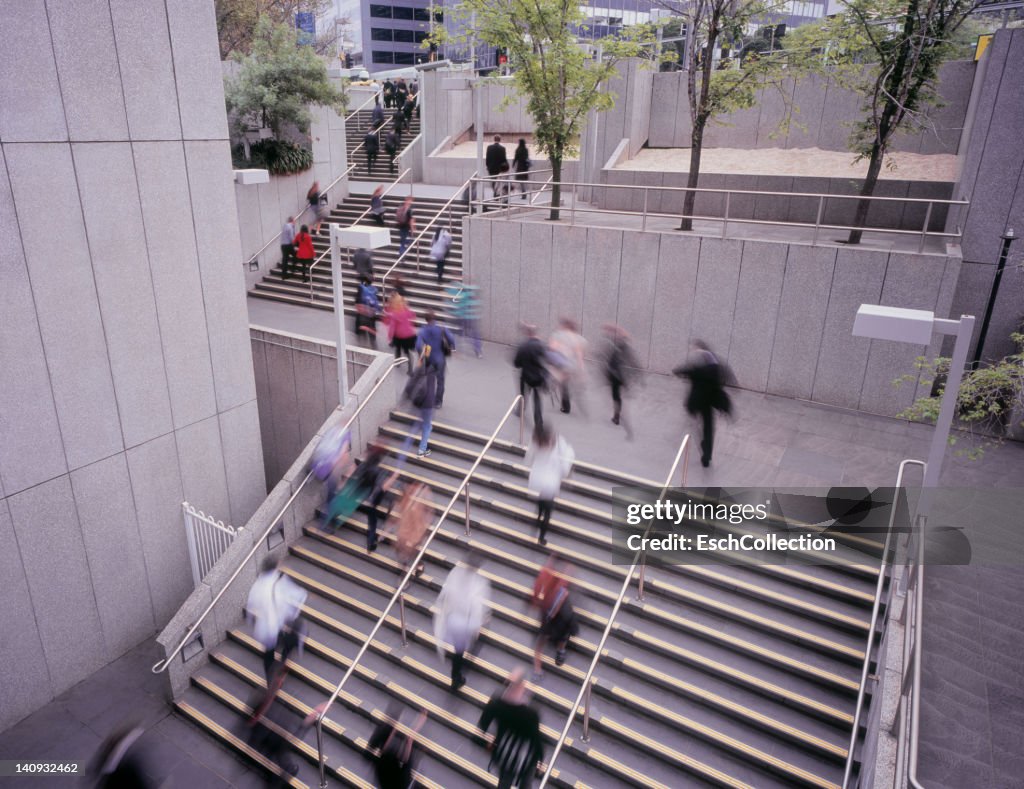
{"x": 361, "y": 107}
{"x": 298, "y": 216}
{"x": 378, "y": 131}
{"x": 163, "y": 664}
{"x": 355, "y": 221}
{"x": 419, "y": 236}
{"x": 399, "y": 594}
{"x": 587, "y": 685}
{"x": 727, "y": 195}
{"x": 207, "y": 538}
{"x": 865, "y": 668}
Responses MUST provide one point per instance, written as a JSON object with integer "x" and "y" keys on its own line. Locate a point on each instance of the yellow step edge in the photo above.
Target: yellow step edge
{"x": 586, "y": 646}
{"x": 212, "y": 727}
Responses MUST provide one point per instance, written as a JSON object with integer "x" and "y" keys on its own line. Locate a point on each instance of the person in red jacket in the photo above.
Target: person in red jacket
{"x": 304, "y": 251}
{"x": 401, "y": 330}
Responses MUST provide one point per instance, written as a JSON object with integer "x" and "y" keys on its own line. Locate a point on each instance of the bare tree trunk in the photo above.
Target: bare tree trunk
{"x": 556, "y": 187}
{"x": 690, "y": 198}
{"x": 868, "y": 189}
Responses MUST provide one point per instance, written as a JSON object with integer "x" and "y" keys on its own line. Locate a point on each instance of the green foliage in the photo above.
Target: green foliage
{"x": 237, "y": 21}
{"x": 277, "y": 81}
{"x": 985, "y": 402}
{"x": 280, "y": 157}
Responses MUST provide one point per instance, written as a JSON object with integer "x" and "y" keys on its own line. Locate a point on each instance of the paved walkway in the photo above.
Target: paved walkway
{"x": 973, "y": 707}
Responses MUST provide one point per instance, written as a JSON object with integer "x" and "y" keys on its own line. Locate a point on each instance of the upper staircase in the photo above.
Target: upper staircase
{"x": 356, "y": 130}
{"x": 723, "y": 676}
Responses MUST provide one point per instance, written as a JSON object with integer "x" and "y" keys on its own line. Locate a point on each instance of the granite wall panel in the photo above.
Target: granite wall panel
{"x": 30, "y": 102}
{"x": 759, "y": 291}
{"x": 240, "y": 437}
{"x": 674, "y": 294}
{"x": 535, "y": 292}
{"x": 201, "y": 460}
{"x": 715, "y": 301}
{"x": 601, "y": 279}
{"x": 505, "y": 264}
{"x": 640, "y": 254}
{"x": 568, "y": 267}
{"x": 196, "y": 54}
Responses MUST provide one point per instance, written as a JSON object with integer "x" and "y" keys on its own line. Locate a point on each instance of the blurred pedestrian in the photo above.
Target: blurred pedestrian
{"x": 371, "y": 145}
{"x": 391, "y": 142}
{"x": 121, "y": 762}
{"x": 421, "y": 390}
{"x": 406, "y": 223}
{"x": 533, "y": 375}
{"x": 708, "y": 377}
{"x": 332, "y": 461}
{"x": 521, "y": 165}
{"x": 401, "y": 329}
{"x": 304, "y": 252}
{"x": 436, "y": 344}
{"x": 439, "y": 251}
{"x": 313, "y": 197}
{"x": 550, "y": 459}
{"x": 408, "y": 108}
{"x": 367, "y": 311}
{"x": 275, "y": 601}
{"x": 397, "y": 755}
{"x": 412, "y": 518}
{"x": 271, "y": 727}
{"x": 553, "y": 601}
{"x": 287, "y": 246}
{"x": 377, "y": 115}
{"x": 398, "y": 122}
{"x": 566, "y": 352}
{"x": 389, "y": 93}
{"x": 619, "y": 367}
{"x": 401, "y": 92}
{"x": 362, "y": 261}
{"x": 377, "y": 209}
{"x": 460, "y": 612}
{"x": 465, "y": 311}
{"x": 517, "y": 748}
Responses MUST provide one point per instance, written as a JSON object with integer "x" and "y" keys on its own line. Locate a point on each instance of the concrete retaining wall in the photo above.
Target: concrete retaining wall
{"x": 781, "y": 314}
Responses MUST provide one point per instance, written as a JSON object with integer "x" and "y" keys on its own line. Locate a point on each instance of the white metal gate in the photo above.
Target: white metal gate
{"x": 208, "y": 538}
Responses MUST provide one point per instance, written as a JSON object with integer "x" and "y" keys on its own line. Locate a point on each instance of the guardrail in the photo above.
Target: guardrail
{"x": 356, "y": 221}
{"x": 865, "y": 668}
{"x": 570, "y": 188}
{"x": 419, "y": 236}
{"x": 588, "y": 680}
{"x": 257, "y": 544}
{"x": 399, "y": 595}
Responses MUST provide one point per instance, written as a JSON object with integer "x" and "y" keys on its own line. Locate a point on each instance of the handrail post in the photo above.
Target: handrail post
{"x": 643, "y": 225}
{"x": 640, "y": 579}
{"x": 924, "y": 230}
{"x": 586, "y": 713}
{"x": 467, "y": 508}
{"x": 817, "y": 221}
{"x": 572, "y": 213}
{"x": 320, "y": 750}
{"x": 725, "y": 220}
{"x": 401, "y": 614}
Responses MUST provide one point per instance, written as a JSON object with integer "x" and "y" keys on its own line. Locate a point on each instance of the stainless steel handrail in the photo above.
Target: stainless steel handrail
{"x": 362, "y": 106}
{"x": 355, "y": 222}
{"x": 400, "y": 588}
{"x": 415, "y": 242}
{"x": 909, "y": 735}
{"x": 858, "y": 710}
{"x": 163, "y": 664}
{"x": 585, "y": 687}
{"x": 298, "y": 216}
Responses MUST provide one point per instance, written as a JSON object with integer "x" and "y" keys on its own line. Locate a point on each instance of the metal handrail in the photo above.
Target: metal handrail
{"x": 362, "y": 106}
{"x": 356, "y": 221}
{"x": 163, "y": 664}
{"x": 399, "y": 593}
{"x": 415, "y": 242}
{"x": 909, "y": 736}
{"x": 378, "y": 131}
{"x": 858, "y": 710}
{"x": 585, "y": 687}
{"x": 305, "y": 208}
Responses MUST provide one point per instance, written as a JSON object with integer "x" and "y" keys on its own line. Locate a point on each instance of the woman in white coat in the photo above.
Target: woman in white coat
{"x": 460, "y": 612}
{"x": 550, "y": 458}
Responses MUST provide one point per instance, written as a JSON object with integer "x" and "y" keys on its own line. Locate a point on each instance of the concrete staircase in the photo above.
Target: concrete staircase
{"x": 356, "y": 131}
{"x": 724, "y": 676}
{"x": 423, "y": 291}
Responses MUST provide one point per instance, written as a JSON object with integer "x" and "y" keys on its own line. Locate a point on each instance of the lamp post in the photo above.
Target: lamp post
{"x": 918, "y": 327}
{"x": 351, "y": 237}
{"x": 1008, "y": 238}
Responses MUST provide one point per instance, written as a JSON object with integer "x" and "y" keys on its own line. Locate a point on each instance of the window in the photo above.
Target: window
{"x": 438, "y": 16}
{"x": 421, "y": 36}
{"x": 380, "y": 56}
{"x": 421, "y": 14}
{"x": 401, "y": 12}
{"x": 405, "y": 36}
{"x": 404, "y": 59}
{"x": 380, "y": 11}
{"x": 380, "y": 34}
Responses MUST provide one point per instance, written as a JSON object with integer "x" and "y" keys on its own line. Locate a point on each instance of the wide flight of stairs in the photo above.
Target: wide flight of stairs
{"x": 355, "y": 132}
{"x": 422, "y": 289}
{"x": 722, "y": 676}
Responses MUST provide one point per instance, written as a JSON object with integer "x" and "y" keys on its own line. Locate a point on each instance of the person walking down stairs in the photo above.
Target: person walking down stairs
{"x": 436, "y": 344}
{"x": 550, "y": 459}
{"x": 274, "y": 602}
{"x": 421, "y": 391}
{"x": 439, "y": 251}
{"x": 552, "y": 599}
{"x": 460, "y": 612}
{"x": 397, "y": 752}
{"x": 371, "y": 144}
{"x": 367, "y": 310}
{"x": 405, "y": 221}
{"x": 377, "y": 210}
{"x": 377, "y": 116}
{"x": 401, "y": 330}
{"x": 518, "y": 747}
{"x": 391, "y": 141}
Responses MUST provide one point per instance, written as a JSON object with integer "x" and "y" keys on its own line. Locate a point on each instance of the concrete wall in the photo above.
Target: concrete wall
{"x": 825, "y": 111}
{"x": 126, "y": 381}
{"x": 297, "y": 389}
{"x": 895, "y": 215}
{"x": 992, "y": 178}
{"x": 272, "y": 516}
{"x": 444, "y": 113}
{"x": 781, "y": 314}
{"x": 263, "y": 208}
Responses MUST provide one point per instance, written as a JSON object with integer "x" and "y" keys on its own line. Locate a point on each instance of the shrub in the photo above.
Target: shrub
{"x": 280, "y": 157}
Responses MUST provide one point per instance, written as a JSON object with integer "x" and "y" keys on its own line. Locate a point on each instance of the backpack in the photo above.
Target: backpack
{"x": 421, "y": 388}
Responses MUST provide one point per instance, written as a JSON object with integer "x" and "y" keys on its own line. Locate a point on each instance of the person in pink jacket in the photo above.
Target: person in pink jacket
{"x": 401, "y": 331}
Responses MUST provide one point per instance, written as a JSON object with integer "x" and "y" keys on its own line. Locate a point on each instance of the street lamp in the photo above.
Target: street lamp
{"x": 351, "y": 237}
{"x": 1008, "y": 238}
{"x": 918, "y": 327}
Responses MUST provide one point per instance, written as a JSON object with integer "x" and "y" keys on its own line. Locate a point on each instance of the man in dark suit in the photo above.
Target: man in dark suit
{"x": 496, "y": 159}
{"x": 708, "y": 377}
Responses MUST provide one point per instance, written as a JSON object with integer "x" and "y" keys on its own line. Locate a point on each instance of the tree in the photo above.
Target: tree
{"x": 556, "y": 74}
{"x": 711, "y": 90}
{"x": 237, "y": 20}
{"x": 277, "y": 81}
{"x": 890, "y": 52}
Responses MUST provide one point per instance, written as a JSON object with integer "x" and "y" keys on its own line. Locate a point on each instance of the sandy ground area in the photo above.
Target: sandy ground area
{"x": 812, "y": 162}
